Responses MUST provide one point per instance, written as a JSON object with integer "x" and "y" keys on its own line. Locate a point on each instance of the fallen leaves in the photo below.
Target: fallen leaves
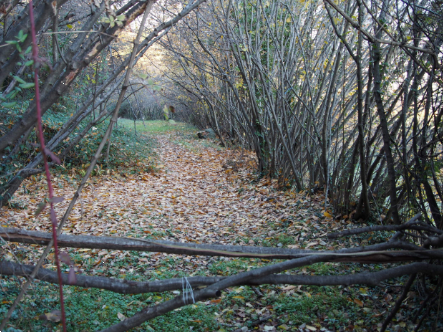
{"x": 196, "y": 195}
{"x": 359, "y": 303}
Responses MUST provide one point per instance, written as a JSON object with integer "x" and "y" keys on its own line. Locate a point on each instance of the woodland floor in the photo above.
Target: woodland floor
{"x": 200, "y": 192}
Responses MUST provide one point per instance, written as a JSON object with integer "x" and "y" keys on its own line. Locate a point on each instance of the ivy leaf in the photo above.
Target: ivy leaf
{"x": 27, "y": 85}
{"x": 22, "y": 36}
{"x": 18, "y": 79}
{"x": 10, "y": 105}
{"x": 12, "y": 96}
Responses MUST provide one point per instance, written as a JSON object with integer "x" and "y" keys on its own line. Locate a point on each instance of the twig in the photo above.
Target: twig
{"x": 398, "y": 303}
{"x": 257, "y": 291}
{"x": 430, "y": 303}
{"x": 411, "y": 224}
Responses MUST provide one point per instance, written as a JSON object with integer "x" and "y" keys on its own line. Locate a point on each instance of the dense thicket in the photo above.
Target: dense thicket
{"x": 339, "y": 95}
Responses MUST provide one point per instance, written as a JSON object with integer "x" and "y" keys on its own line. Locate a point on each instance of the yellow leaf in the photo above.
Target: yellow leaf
{"x": 289, "y": 288}
{"x": 310, "y": 244}
{"x": 327, "y": 215}
{"x": 360, "y": 303}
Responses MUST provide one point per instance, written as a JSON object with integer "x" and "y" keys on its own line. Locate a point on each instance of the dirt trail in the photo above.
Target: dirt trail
{"x": 198, "y": 195}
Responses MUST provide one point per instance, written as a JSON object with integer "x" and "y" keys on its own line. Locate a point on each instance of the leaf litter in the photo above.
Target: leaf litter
{"x": 199, "y": 193}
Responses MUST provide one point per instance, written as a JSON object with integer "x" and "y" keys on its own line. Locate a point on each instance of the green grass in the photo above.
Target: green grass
{"x": 157, "y": 126}
{"x": 93, "y": 309}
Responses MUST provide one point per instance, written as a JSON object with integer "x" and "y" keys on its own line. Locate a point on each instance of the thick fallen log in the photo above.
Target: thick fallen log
{"x": 377, "y": 253}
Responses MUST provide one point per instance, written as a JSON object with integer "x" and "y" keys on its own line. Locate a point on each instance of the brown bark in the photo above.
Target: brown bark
{"x": 139, "y": 287}
{"x": 373, "y": 253}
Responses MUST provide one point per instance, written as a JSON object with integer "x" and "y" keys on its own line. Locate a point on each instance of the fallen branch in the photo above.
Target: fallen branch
{"x": 243, "y": 278}
{"x": 139, "y": 287}
{"x": 365, "y": 254}
{"x": 414, "y": 224}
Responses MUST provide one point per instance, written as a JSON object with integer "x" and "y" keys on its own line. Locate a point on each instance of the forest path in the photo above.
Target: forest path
{"x": 201, "y": 193}
{"x": 207, "y": 194}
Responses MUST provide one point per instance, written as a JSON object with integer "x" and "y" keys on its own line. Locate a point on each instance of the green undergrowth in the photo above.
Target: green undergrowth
{"x": 184, "y": 134}
{"x": 128, "y": 152}
{"x": 157, "y": 126}
{"x": 286, "y": 307}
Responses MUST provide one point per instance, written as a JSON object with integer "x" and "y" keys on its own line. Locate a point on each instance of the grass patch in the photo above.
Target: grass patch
{"x": 93, "y": 309}
{"x": 356, "y": 308}
{"x": 156, "y": 126}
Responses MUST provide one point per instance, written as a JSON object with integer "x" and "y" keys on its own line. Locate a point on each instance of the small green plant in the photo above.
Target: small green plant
{"x": 113, "y": 20}
{"x": 8, "y": 100}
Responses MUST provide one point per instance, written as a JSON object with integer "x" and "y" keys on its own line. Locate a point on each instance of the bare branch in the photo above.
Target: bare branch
{"x": 373, "y": 253}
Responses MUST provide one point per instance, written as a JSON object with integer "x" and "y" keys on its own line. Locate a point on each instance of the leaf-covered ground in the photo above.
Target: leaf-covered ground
{"x": 199, "y": 192}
